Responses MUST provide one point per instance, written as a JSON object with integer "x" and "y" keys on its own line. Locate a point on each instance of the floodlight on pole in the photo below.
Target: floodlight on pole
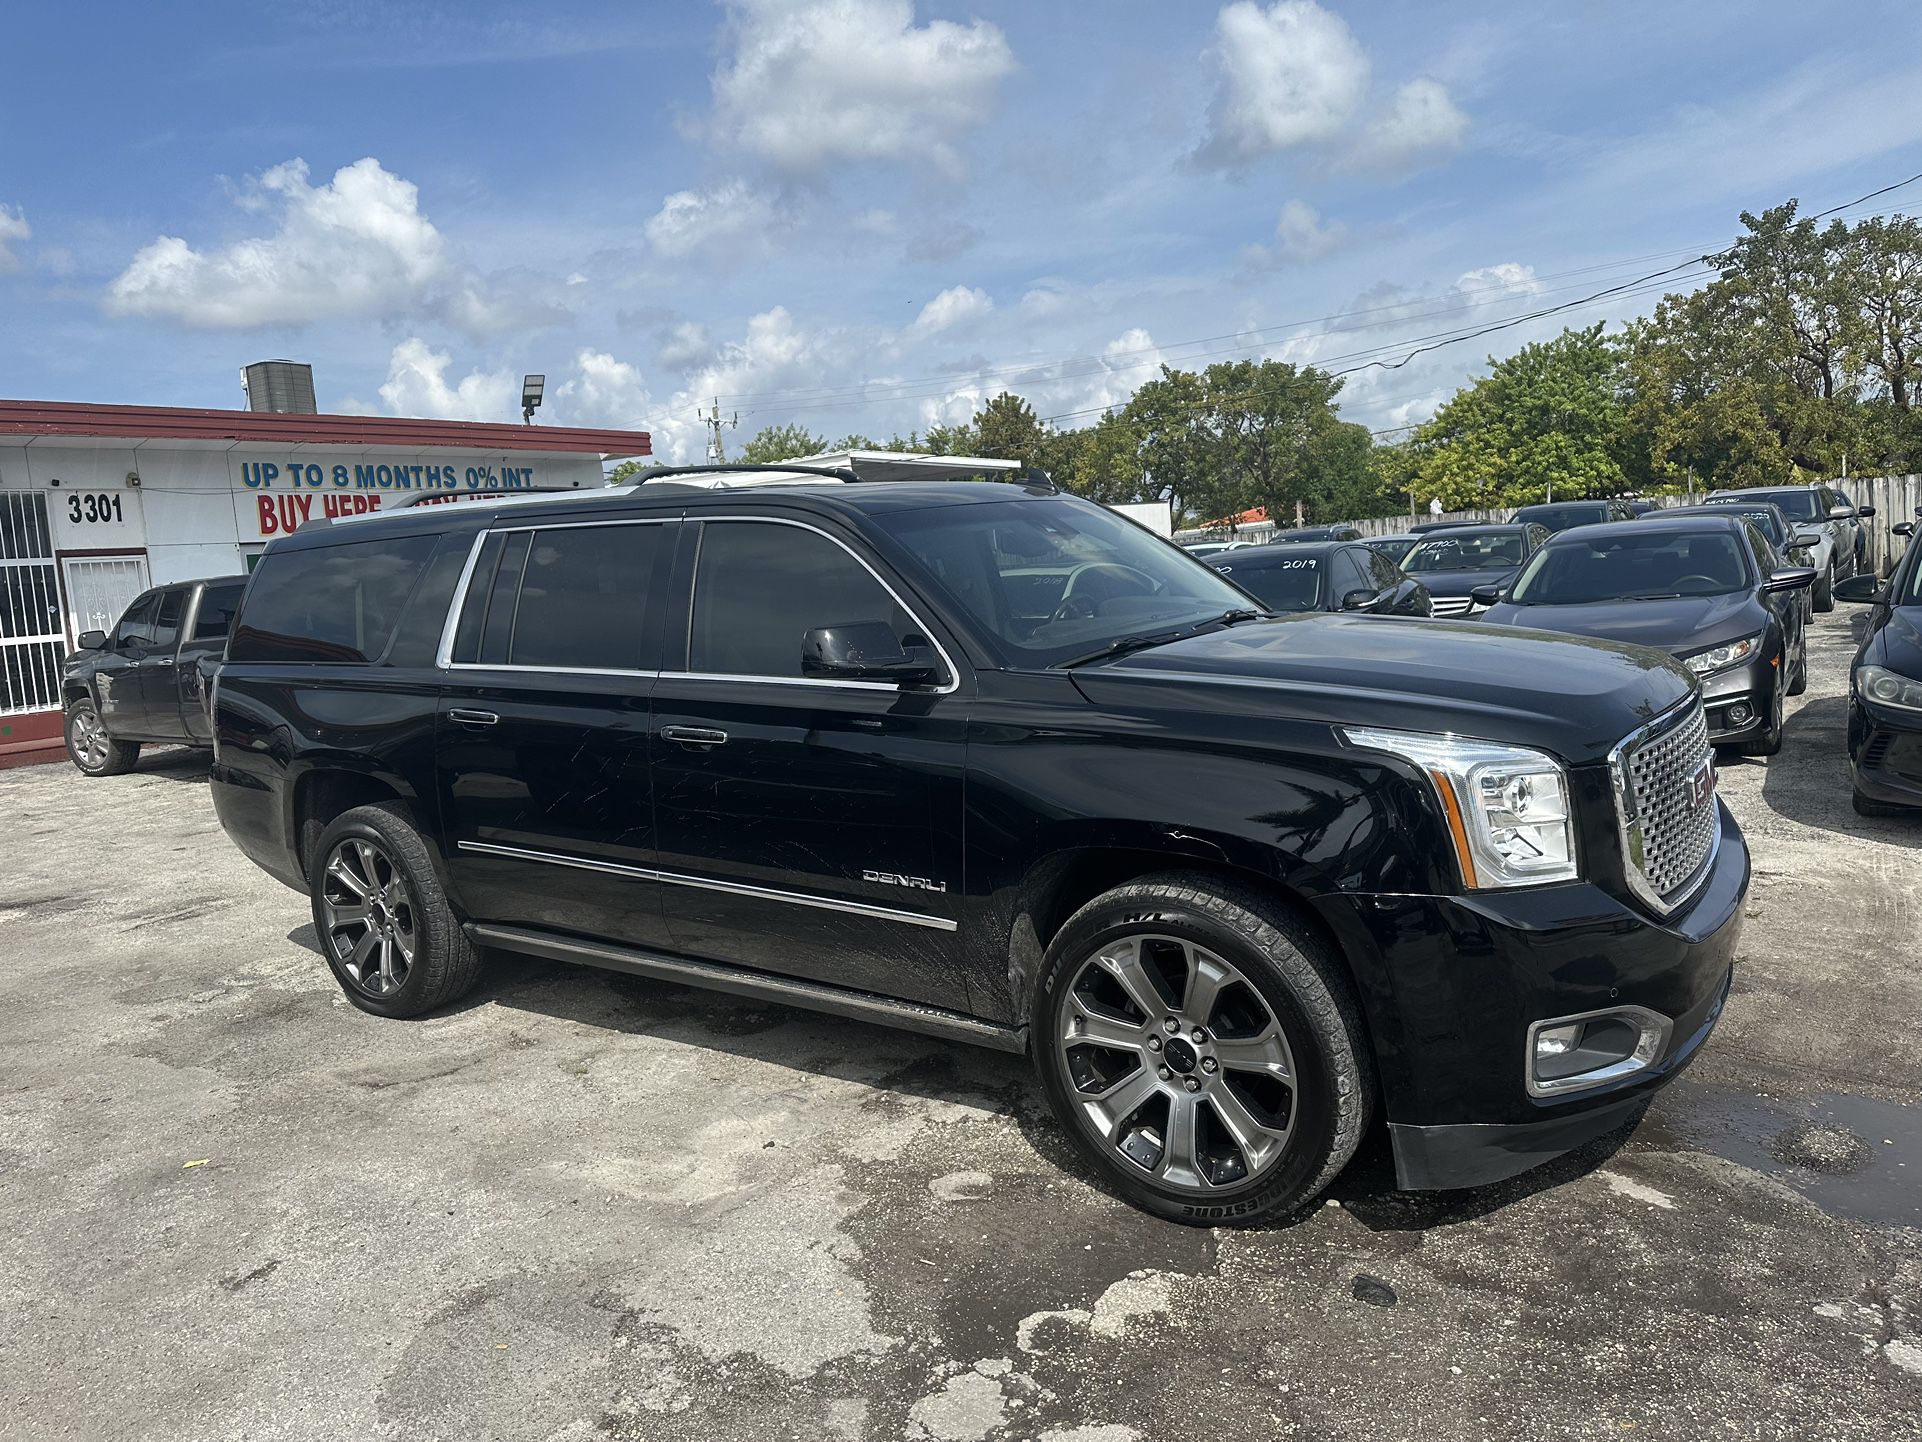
{"x": 531, "y": 389}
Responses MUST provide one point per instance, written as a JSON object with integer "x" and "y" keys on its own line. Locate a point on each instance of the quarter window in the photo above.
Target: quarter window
{"x": 583, "y": 597}
{"x": 329, "y": 603}
{"x": 216, "y": 615}
{"x": 760, "y": 587}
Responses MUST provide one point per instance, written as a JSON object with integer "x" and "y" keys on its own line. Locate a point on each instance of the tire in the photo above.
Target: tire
{"x": 1801, "y": 681}
{"x": 406, "y": 953}
{"x": 1164, "y": 1143}
{"x": 1769, "y": 742}
{"x": 92, "y": 751}
{"x": 1825, "y": 590}
{"x": 1868, "y": 806}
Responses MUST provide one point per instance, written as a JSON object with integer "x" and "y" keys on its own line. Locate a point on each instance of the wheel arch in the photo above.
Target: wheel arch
{"x": 324, "y": 790}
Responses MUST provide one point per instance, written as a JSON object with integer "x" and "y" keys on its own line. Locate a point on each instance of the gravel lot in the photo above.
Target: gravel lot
{"x": 585, "y": 1205}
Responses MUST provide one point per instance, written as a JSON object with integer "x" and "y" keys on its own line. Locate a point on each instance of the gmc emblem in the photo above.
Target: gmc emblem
{"x": 1701, "y": 785}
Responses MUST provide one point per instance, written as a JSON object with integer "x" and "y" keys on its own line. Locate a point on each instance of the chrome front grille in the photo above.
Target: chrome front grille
{"x": 1451, "y": 605}
{"x": 1668, "y": 825}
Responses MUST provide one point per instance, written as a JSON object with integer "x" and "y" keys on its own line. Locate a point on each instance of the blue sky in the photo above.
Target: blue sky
{"x": 869, "y": 214}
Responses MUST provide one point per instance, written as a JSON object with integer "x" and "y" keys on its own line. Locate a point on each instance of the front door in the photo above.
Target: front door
{"x": 806, "y": 827}
{"x": 158, "y": 670}
{"x": 541, "y": 740}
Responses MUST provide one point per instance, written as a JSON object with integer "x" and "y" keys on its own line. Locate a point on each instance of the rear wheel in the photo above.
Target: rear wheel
{"x": 91, "y": 749}
{"x": 1801, "y": 681}
{"x": 1202, "y": 1050}
{"x": 1825, "y": 588}
{"x": 389, "y": 936}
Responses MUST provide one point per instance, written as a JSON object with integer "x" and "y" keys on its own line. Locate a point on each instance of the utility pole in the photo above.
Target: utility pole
{"x": 716, "y": 453}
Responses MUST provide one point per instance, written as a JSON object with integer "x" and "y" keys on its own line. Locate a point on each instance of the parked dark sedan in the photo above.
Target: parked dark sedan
{"x": 1454, "y": 562}
{"x": 1395, "y": 547}
{"x": 1316, "y": 533}
{"x": 1885, "y": 688}
{"x": 1709, "y": 590}
{"x": 1324, "y": 576}
{"x": 1561, "y": 515}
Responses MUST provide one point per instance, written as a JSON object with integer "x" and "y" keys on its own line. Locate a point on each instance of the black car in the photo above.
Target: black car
{"x": 994, "y": 763}
{"x": 144, "y": 683}
{"x": 1709, "y": 590}
{"x": 1395, "y": 547}
{"x": 1315, "y": 533}
{"x": 1324, "y": 576}
{"x": 1561, "y": 515}
{"x": 1885, "y": 688}
{"x": 1455, "y": 562}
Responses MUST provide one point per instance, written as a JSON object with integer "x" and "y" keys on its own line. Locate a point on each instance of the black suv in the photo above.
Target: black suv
{"x": 994, "y": 763}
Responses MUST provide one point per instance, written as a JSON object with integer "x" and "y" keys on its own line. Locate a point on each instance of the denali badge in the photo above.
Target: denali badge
{"x": 1701, "y": 785}
{"x": 891, "y": 878}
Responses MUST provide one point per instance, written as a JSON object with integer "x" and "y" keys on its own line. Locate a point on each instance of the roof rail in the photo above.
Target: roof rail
{"x": 428, "y": 498}
{"x": 832, "y": 473}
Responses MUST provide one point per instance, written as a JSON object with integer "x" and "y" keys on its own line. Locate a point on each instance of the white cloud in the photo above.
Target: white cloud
{"x": 1293, "y": 75}
{"x": 955, "y": 306}
{"x": 773, "y": 355}
{"x": 1420, "y": 121}
{"x": 732, "y": 218}
{"x": 814, "y": 83}
{"x": 1494, "y": 282}
{"x": 1043, "y": 301}
{"x": 604, "y": 391}
{"x": 416, "y": 385}
{"x": 13, "y": 230}
{"x": 687, "y": 346}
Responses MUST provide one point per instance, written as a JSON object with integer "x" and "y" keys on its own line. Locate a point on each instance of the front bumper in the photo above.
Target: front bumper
{"x": 1885, "y": 746}
{"x": 1750, "y": 687}
{"x": 1451, "y": 985}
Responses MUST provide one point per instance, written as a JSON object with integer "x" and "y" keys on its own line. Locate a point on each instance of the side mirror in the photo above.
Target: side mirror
{"x": 1805, "y": 539}
{"x": 1794, "y": 578}
{"x": 1359, "y": 600}
{"x": 1865, "y": 511}
{"x": 1841, "y": 513}
{"x": 1858, "y": 588}
{"x": 864, "y": 651}
{"x": 93, "y": 640}
{"x": 1485, "y": 595}
{"x": 1903, "y": 528}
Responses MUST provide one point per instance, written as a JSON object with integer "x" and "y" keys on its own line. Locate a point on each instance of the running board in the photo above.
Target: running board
{"x": 791, "y": 991}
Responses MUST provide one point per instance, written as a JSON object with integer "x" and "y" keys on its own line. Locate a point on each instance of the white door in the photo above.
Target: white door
{"x": 31, "y": 645}
{"x": 99, "y": 588}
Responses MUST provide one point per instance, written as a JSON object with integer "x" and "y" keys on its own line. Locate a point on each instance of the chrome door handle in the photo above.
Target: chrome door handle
{"x": 461, "y": 716}
{"x": 697, "y": 737}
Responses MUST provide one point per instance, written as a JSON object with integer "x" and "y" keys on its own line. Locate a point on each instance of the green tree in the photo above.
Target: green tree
{"x": 1548, "y": 420}
{"x": 1005, "y": 429}
{"x": 781, "y": 443}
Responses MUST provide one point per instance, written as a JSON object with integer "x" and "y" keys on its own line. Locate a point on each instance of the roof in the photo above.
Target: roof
{"x": 62, "y": 420}
{"x": 1481, "y": 528}
{"x": 907, "y": 465}
{"x": 1642, "y": 526}
{"x": 1282, "y": 554}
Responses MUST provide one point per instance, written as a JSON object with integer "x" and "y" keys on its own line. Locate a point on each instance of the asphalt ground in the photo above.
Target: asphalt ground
{"x": 582, "y": 1205}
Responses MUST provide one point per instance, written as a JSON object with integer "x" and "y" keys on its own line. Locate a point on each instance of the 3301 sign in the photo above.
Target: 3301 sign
{"x": 85, "y": 508}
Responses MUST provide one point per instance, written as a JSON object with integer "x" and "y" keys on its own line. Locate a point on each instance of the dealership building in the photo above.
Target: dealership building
{"x": 97, "y": 503}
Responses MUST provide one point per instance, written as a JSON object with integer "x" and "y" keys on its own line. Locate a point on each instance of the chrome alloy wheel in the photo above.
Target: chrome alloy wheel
{"x": 89, "y": 739}
{"x": 1177, "y": 1063}
{"x": 371, "y": 924}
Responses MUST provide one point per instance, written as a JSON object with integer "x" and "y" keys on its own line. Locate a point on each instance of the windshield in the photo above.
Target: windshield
{"x": 1293, "y": 585}
{"x": 1393, "y": 547}
{"x": 1797, "y": 505}
{"x": 1571, "y": 571}
{"x": 1466, "y": 553}
{"x": 1560, "y": 518}
{"x": 1054, "y": 578}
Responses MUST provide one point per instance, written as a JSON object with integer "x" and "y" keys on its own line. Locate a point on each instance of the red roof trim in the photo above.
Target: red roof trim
{"x": 59, "y": 418}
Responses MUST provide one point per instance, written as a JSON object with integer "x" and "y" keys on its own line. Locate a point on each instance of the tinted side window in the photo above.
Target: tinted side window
{"x": 329, "y": 603}
{"x": 1382, "y": 571}
{"x": 136, "y": 624}
{"x": 1765, "y": 557}
{"x": 166, "y": 625}
{"x": 759, "y": 588}
{"x": 216, "y": 615}
{"x": 583, "y": 597}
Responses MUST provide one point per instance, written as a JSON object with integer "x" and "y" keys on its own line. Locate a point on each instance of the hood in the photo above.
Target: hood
{"x": 1688, "y": 623}
{"x": 1460, "y": 583}
{"x": 1572, "y": 697}
{"x": 1898, "y": 644}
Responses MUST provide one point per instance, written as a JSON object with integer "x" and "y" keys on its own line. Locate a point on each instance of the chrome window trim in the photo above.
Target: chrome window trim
{"x": 952, "y": 684}
{"x": 1676, "y": 715}
{"x": 1650, "y": 1046}
{"x": 444, "y": 655}
{"x": 702, "y": 883}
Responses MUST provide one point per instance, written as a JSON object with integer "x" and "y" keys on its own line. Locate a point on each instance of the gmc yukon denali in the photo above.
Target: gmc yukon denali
{"x": 993, "y": 763}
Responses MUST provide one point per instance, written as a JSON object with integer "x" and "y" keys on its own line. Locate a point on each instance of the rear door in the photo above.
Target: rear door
{"x": 211, "y": 618}
{"x": 541, "y": 740}
{"x": 809, "y": 827}
{"x": 157, "y": 669}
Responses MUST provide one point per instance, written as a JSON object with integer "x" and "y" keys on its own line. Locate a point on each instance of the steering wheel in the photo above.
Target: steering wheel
{"x": 1074, "y": 606}
{"x": 1708, "y": 581}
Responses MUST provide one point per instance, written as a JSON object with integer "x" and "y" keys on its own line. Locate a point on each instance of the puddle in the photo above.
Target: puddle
{"x": 1852, "y": 1156}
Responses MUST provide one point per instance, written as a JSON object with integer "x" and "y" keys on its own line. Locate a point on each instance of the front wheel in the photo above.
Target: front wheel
{"x": 389, "y": 936}
{"x": 1768, "y": 741}
{"x": 1202, "y": 1049}
{"x": 91, "y": 749}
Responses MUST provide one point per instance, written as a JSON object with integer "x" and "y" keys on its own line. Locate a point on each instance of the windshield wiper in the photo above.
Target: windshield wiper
{"x": 1123, "y": 645}
{"x": 1665, "y": 596}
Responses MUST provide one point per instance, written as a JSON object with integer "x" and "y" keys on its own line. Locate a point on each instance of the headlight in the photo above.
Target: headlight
{"x": 1720, "y": 658}
{"x": 1886, "y": 688}
{"x": 1506, "y": 806}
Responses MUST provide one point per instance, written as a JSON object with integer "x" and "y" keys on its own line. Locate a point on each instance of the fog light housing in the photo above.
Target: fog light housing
{"x": 1740, "y": 714}
{"x": 1574, "y": 1053}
